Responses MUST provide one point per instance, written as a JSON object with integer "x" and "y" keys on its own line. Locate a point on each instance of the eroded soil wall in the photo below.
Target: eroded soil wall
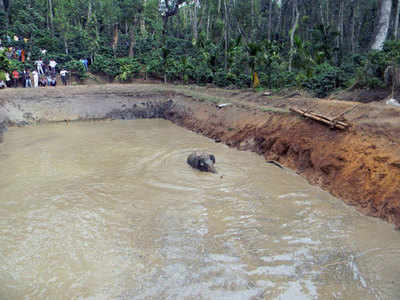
{"x": 358, "y": 168}
{"x": 361, "y": 166}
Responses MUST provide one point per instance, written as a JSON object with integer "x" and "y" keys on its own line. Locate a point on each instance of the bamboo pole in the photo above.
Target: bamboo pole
{"x": 321, "y": 118}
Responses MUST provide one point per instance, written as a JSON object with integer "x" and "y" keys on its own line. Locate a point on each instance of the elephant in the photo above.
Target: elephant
{"x": 202, "y": 161}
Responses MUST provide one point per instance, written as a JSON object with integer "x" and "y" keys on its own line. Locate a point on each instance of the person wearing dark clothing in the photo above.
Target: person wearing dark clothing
{"x": 23, "y": 77}
{"x": 28, "y": 82}
{"x": 53, "y": 81}
{"x": 42, "y": 81}
{"x": 63, "y": 74}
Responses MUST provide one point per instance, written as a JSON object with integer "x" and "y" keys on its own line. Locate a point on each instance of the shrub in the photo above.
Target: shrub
{"x": 324, "y": 80}
{"x": 129, "y": 68}
{"x": 105, "y": 65}
{"x": 224, "y": 79}
{"x": 16, "y": 65}
{"x": 76, "y": 68}
{"x": 4, "y": 62}
{"x": 281, "y": 79}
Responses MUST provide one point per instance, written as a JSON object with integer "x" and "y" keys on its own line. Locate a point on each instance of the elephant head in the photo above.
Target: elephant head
{"x": 202, "y": 161}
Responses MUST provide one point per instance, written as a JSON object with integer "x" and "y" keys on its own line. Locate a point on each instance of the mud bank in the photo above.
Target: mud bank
{"x": 360, "y": 166}
{"x": 357, "y": 168}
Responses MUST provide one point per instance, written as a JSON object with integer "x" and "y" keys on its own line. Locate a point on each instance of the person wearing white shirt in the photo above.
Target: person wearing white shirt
{"x": 63, "y": 74}
{"x": 8, "y": 79}
{"x": 35, "y": 75}
{"x": 53, "y": 65}
{"x": 39, "y": 64}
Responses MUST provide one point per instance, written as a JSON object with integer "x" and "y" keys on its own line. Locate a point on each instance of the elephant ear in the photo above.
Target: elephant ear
{"x": 212, "y": 157}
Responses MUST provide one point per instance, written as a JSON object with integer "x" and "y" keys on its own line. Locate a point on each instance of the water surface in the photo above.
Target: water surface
{"x": 111, "y": 210}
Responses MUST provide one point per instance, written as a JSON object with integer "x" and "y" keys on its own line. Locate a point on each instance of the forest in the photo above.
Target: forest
{"x": 317, "y": 45}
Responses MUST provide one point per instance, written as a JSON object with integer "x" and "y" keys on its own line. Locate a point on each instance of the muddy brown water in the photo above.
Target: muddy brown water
{"x": 111, "y": 210}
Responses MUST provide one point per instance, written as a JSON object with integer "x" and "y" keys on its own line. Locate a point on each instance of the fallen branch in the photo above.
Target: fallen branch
{"x": 333, "y": 123}
{"x": 345, "y": 112}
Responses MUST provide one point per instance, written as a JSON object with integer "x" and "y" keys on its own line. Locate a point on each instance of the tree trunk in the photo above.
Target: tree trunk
{"x": 322, "y": 14}
{"x": 89, "y": 14}
{"x": 208, "y": 24}
{"x": 132, "y": 40}
{"x": 269, "y": 20}
{"x": 353, "y": 25}
{"x": 115, "y": 39}
{"x": 165, "y": 24}
{"x": 341, "y": 23}
{"x": 327, "y": 14}
{"x": 66, "y": 46}
{"x": 51, "y": 17}
{"x": 292, "y": 32}
{"x": 396, "y": 22}
{"x": 279, "y": 23}
{"x": 253, "y": 19}
{"x": 226, "y": 36}
{"x": 383, "y": 25}
{"x": 142, "y": 26}
{"x": 195, "y": 21}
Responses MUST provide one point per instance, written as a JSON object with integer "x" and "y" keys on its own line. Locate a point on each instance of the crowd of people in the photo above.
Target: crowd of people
{"x": 44, "y": 74}
{"x": 41, "y": 76}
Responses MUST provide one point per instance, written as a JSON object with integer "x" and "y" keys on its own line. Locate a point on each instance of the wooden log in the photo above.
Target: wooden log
{"x": 321, "y": 118}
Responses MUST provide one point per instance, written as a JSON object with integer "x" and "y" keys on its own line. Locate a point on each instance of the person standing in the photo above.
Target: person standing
{"x": 35, "y": 78}
{"x": 8, "y": 79}
{"x": 39, "y": 64}
{"x": 48, "y": 77}
{"x": 28, "y": 82}
{"x": 23, "y": 77}
{"x": 84, "y": 62}
{"x": 15, "y": 76}
{"x": 18, "y": 53}
{"x": 52, "y": 65}
{"x": 63, "y": 74}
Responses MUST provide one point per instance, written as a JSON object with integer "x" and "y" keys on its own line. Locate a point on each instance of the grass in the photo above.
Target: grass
{"x": 274, "y": 109}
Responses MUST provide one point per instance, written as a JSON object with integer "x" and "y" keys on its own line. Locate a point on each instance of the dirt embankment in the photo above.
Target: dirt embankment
{"x": 360, "y": 169}
{"x": 361, "y": 165}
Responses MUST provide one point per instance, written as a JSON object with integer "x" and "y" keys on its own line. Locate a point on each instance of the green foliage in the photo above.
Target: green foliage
{"x": 76, "y": 68}
{"x": 5, "y": 63}
{"x": 129, "y": 68}
{"x": 106, "y": 65}
{"x": 2, "y": 76}
{"x": 302, "y": 57}
{"x": 16, "y": 65}
{"x": 85, "y": 29}
{"x": 371, "y": 72}
{"x": 325, "y": 79}
{"x": 323, "y": 43}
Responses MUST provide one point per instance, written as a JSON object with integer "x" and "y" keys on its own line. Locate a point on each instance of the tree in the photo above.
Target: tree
{"x": 292, "y": 33}
{"x": 168, "y": 9}
{"x": 383, "y": 25}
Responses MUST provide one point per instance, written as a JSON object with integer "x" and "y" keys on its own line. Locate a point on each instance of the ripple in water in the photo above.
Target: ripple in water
{"x": 111, "y": 210}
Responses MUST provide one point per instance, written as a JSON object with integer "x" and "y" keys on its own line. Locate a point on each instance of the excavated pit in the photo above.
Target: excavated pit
{"x": 360, "y": 166}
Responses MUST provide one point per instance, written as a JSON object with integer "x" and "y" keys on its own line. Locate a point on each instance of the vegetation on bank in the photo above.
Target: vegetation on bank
{"x": 265, "y": 43}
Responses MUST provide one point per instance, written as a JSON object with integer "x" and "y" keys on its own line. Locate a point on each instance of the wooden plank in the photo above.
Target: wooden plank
{"x": 321, "y": 118}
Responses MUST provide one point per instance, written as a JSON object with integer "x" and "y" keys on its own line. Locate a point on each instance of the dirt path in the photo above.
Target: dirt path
{"x": 361, "y": 165}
